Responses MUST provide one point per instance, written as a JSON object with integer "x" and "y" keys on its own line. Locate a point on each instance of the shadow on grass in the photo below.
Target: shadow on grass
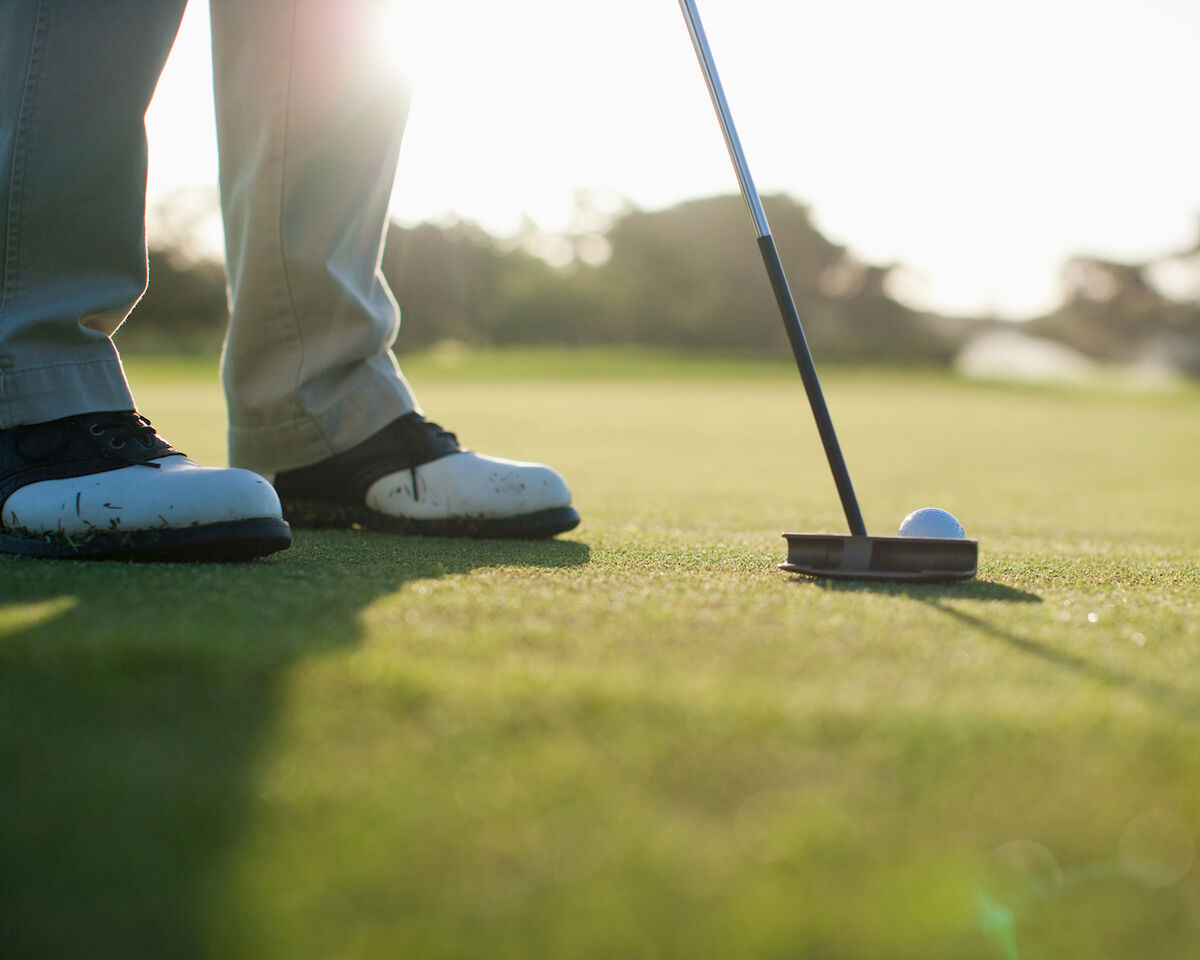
{"x": 1179, "y": 702}
{"x": 133, "y": 701}
{"x": 1184, "y": 704}
{"x": 973, "y": 589}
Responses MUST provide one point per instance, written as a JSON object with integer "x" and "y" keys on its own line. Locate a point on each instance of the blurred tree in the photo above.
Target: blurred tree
{"x": 691, "y": 275}
{"x": 455, "y": 282}
{"x": 1115, "y": 312}
{"x": 184, "y": 309}
{"x": 687, "y": 276}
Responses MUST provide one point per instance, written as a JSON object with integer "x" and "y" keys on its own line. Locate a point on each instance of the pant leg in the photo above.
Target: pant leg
{"x": 309, "y": 128}
{"x": 76, "y": 77}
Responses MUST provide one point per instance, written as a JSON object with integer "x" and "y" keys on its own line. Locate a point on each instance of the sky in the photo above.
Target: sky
{"x": 979, "y": 144}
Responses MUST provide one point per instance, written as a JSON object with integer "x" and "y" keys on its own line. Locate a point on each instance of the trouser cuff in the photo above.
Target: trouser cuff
{"x": 38, "y": 394}
{"x": 313, "y": 437}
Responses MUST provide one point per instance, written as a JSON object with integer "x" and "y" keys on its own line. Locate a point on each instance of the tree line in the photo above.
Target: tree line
{"x": 685, "y": 277}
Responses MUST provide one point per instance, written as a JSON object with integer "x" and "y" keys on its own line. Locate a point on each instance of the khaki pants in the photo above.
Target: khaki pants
{"x": 309, "y": 128}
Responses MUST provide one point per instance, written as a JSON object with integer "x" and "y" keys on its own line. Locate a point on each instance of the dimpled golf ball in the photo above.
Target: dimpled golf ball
{"x": 932, "y": 522}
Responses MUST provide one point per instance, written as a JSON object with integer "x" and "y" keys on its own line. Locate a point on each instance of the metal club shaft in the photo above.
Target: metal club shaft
{"x": 779, "y": 283}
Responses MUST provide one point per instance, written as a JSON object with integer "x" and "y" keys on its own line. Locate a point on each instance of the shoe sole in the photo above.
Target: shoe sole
{"x": 540, "y": 525}
{"x": 231, "y": 541}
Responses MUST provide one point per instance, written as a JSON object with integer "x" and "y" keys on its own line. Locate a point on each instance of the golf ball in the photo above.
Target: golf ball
{"x": 932, "y": 522}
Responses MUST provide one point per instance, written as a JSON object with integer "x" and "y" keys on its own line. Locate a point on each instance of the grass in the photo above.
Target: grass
{"x": 640, "y": 740}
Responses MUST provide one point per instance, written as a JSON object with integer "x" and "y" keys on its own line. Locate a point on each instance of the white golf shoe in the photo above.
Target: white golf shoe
{"x": 412, "y": 477}
{"x": 106, "y": 486}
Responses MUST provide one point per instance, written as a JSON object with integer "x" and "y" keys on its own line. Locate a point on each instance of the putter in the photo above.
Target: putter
{"x": 857, "y": 556}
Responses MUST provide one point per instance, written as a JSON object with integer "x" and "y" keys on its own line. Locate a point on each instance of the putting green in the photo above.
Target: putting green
{"x": 639, "y": 740}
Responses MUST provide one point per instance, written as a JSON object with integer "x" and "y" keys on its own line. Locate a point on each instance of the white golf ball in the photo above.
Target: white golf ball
{"x": 932, "y": 522}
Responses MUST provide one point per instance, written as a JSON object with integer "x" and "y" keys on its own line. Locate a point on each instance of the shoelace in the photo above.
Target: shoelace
{"x": 109, "y": 436}
{"x": 434, "y": 432}
{"x": 439, "y": 432}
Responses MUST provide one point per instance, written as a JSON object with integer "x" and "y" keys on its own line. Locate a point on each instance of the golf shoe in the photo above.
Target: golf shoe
{"x": 413, "y": 477}
{"x": 106, "y": 486}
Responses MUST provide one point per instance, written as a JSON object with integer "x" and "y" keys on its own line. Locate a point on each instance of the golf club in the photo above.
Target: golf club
{"x": 858, "y": 556}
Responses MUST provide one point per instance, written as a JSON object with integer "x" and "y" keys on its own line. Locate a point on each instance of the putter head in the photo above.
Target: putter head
{"x": 880, "y": 558}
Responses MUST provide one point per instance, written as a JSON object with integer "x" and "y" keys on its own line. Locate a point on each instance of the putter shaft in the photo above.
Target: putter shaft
{"x": 779, "y": 283}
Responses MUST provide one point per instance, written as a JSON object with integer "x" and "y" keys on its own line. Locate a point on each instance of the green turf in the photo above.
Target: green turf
{"x": 640, "y": 740}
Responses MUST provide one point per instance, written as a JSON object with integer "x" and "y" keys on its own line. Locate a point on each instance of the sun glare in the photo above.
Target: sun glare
{"x": 406, "y": 40}
{"x": 388, "y": 52}
{"x": 914, "y": 141}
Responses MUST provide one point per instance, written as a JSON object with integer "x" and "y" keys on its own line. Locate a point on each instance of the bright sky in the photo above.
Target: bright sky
{"x": 978, "y": 143}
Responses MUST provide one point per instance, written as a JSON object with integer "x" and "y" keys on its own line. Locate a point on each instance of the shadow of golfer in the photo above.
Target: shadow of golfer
{"x": 133, "y": 703}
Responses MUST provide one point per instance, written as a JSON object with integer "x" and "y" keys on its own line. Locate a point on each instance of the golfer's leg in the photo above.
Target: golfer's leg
{"x": 76, "y": 77}
{"x": 310, "y": 124}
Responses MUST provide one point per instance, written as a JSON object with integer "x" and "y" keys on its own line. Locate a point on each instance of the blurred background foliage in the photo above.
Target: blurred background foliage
{"x": 685, "y": 277}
